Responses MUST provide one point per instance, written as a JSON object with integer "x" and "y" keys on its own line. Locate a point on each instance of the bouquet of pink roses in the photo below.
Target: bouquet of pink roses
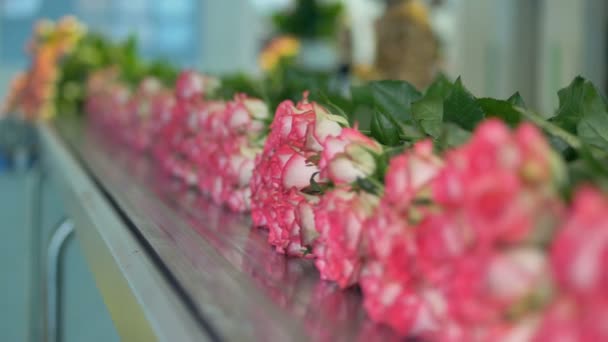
{"x": 461, "y": 219}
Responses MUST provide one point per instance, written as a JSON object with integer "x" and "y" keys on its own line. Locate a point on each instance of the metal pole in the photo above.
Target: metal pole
{"x": 58, "y": 239}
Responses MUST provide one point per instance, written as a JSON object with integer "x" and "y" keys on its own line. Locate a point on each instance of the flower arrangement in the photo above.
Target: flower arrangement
{"x": 460, "y": 218}
{"x": 454, "y": 230}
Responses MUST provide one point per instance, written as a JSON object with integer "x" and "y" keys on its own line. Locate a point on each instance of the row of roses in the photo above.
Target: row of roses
{"x": 473, "y": 244}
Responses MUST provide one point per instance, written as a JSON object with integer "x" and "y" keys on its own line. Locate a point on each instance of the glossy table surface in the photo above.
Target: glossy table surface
{"x": 231, "y": 282}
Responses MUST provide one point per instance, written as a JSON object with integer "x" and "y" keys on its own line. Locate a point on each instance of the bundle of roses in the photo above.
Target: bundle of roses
{"x": 177, "y": 127}
{"x": 307, "y": 150}
{"x": 456, "y": 247}
{"x": 225, "y": 149}
{"x": 579, "y": 264}
{"x": 211, "y": 144}
{"x": 474, "y": 244}
{"x": 140, "y": 110}
{"x": 208, "y": 144}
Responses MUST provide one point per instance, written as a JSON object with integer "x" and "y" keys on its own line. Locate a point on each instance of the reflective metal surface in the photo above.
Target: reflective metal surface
{"x": 231, "y": 277}
{"x": 144, "y": 306}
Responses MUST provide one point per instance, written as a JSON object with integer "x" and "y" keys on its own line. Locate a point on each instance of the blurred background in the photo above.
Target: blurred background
{"x": 497, "y": 46}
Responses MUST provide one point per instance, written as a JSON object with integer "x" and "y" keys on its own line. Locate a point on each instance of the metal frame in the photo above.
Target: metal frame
{"x": 60, "y": 236}
{"x": 143, "y": 304}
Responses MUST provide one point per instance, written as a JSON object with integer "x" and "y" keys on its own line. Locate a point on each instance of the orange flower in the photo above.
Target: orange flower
{"x": 280, "y": 48}
{"x": 33, "y": 93}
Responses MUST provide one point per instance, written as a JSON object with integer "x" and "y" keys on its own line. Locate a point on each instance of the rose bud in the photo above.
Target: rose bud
{"x": 348, "y": 156}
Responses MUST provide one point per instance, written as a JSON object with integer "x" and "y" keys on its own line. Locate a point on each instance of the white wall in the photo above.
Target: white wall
{"x": 231, "y": 35}
{"x": 573, "y": 42}
{"x": 486, "y": 46}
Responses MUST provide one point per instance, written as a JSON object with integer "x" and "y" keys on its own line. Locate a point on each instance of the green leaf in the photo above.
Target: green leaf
{"x": 368, "y": 185}
{"x": 593, "y": 129}
{"x": 315, "y": 188}
{"x": 517, "y": 100}
{"x": 394, "y": 98}
{"x": 503, "y": 110}
{"x": 362, "y": 115}
{"x": 577, "y": 101}
{"x": 384, "y": 130}
{"x": 428, "y": 113}
{"x": 440, "y": 88}
{"x": 584, "y": 112}
{"x": 461, "y": 108}
{"x": 363, "y": 106}
{"x": 587, "y": 169}
{"x": 238, "y": 83}
{"x": 452, "y": 135}
{"x": 362, "y": 95}
{"x": 572, "y": 101}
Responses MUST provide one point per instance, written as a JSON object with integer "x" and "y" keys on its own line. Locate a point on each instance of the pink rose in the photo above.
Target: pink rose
{"x": 227, "y": 147}
{"x": 304, "y": 126}
{"x": 340, "y": 218}
{"x": 462, "y": 241}
{"x": 392, "y": 291}
{"x": 162, "y": 105}
{"x": 246, "y": 115}
{"x": 290, "y": 125}
{"x": 486, "y": 182}
{"x": 348, "y": 156}
{"x": 516, "y": 273}
{"x": 580, "y": 250}
{"x": 140, "y": 110}
{"x": 325, "y": 125}
{"x": 569, "y": 319}
{"x": 284, "y": 169}
{"x": 410, "y": 309}
{"x": 411, "y": 173}
{"x": 191, "y": 84}
{"x": 275, "y": 194}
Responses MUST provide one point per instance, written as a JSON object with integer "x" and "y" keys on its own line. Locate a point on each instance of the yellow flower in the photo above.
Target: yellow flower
{"x": 278, "y": 49}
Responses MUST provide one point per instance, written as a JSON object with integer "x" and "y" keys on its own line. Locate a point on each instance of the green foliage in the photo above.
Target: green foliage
{"x": 583, "y": 112}
{"x": 385, "y": 129}
{"x": 94, "y": 52}
{"x": 394, "y": 113}
{"x": 428, "y": 114}
{"x": 290, "y": 82}
{"x": 309, "y": 19}
{"x": 238, "y": 83}
{"x": 517, "y": 100}
{"x": 91, "y": 53}
{"x": 461, "y": 107}
{"x": 428, "y": 111}
{"x": 502, "y": 109}
{"x": 394, "y": 98}
{"x": 385, "y": 108}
